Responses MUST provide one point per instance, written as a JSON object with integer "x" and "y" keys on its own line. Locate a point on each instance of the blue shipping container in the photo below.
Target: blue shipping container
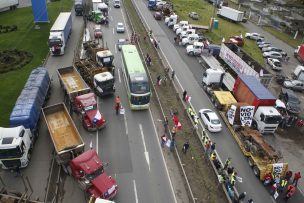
{"x": 40, "y": 12}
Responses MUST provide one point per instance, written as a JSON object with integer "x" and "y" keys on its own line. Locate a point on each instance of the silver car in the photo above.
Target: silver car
{"x": 272, "y": 54}
{"x": 120, "y": 28}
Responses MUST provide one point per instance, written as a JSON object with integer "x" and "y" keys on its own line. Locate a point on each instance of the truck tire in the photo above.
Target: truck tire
{"x": 254, "y": 125}
{"x": 250, "y": 162}
{"x": 247, "y": 145}
{"x": 256, "y": 171}
{"x": 253, "y": 149}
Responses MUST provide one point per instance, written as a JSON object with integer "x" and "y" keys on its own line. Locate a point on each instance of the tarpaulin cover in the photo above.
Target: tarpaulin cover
{"x": 40, "y": 12}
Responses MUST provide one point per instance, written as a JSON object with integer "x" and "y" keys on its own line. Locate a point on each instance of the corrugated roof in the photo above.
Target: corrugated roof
{"x": 256, "y": 87}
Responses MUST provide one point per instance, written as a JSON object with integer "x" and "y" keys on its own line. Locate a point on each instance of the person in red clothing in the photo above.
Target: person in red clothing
{"x": 290, "y": 192}
{"x": 117, "y": 105}
{"x": 296, "y": 178}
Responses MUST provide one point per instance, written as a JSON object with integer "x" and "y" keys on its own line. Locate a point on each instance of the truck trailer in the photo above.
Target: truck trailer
{"x": 299, "y": 53}
{"x": 16, "y": 142}
{"x": 85, "y": 167}
{"x": 230, "y": 14}
{"x": 8, "y": 5}
{"x": 60, "y": 33}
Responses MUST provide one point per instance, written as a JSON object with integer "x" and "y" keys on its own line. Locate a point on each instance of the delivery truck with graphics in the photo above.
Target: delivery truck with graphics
{"x": 17, "y": 142}
{"x": 84, "y": 166}
{"x": 60, "y": 33}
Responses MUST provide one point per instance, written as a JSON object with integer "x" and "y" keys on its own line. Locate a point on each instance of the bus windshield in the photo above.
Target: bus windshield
{"x": 140, "y": 87}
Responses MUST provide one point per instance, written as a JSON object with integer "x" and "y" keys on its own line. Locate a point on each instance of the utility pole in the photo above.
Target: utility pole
{"x": 212, "y": 19}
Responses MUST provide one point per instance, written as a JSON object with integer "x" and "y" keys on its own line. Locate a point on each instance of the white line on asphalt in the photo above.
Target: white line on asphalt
{"x": 97, "y": 130}
{"x": 111, "y": 18}
{"x": 135, "y": 191}
{"x": 145, "y": 148}
{"x": 115, "y": 47}
{"x": 126, "y": 124}
{"x": 119, "y": 79}
{"x": 113, "y": 30}
{"x": 125, "y": 22}
{"x": 163, "y": 158}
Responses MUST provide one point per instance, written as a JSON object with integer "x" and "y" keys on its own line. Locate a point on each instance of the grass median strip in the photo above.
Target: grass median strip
{"x": 29, "y": 39}
{"x": 201, "y": 176}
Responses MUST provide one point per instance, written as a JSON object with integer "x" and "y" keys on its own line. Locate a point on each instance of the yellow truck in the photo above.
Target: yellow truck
{"x": 64, "y": 134}
{"x": 262, "y": 157}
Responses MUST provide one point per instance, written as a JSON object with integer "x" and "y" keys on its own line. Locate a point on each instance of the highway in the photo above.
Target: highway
{"x": 189, "y": 73}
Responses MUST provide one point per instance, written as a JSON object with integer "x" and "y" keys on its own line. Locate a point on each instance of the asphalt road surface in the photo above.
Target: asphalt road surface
{"x": 189, "y": 73}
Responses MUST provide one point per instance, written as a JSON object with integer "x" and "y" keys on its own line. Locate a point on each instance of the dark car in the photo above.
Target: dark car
{"x": 291, "y": 100}
{"x": 237, "y": 40}
{"x": 157, "y": 16}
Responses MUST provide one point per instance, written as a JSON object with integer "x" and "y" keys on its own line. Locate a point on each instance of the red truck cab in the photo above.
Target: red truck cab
{"x": 89, "y": 172}
{"x": 92, "y": 119}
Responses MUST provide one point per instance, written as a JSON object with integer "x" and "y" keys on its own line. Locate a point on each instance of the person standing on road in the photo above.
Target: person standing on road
{"x": 250, "y": 201}
{"x": 242, "y": 197}
{"x": 288, "y": 175}
{"x": 184, "y": 95}
{"x": 166, "y": 123}
{"x": 186, "y": 147}
{"x": 117, "y": 104}
{"x": 296, "y": 178}
{"x": 172, "y": 75}
{"x": 227, "y": 162}
{"x": 172, "y": 144}
{"x": 212, "y": 147}
{"x": 290, "y": 192}
{"x": 173, "y": 132}
{"x": 163, "y": 140}
{"x": 17, "y": 170}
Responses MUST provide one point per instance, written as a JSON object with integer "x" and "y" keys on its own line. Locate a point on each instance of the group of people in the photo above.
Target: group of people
{"x": 279, "y": 184}
{"x": 135, "y": 37}
{"x": 291, "y": 121}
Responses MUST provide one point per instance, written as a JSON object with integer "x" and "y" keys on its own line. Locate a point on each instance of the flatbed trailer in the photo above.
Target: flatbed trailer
{"x": 64, "y": 134}
{"x": 261, "y": 164}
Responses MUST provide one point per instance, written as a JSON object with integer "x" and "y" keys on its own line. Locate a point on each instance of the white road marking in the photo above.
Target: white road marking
{"x": 115, "y": 47}
{"x": 135, "y": 191}
{"x": 125, "y": 23}
{"x": 163, "y": 158}
{"x": 113, "y": 30}
{"x": 126, "y": 124}
{"x": 111, "y": 18}
{"x": 143, "y": 139}
{"x": 97, "y": 130}
{"x": 119, "y": 79}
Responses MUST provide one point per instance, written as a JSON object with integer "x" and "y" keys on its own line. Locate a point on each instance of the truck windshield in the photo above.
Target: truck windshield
{"x": 273, "y": 119}
{"x": 106, "y": 61}
{"x": 89, "y": 108}
{"x": 105, "y": 84}
{"x": 54, "y": 42}
{"x": 11, "y": 153}
{"x": 95, "y": 174}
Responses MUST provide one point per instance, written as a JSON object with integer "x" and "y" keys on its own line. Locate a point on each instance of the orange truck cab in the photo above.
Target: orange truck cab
{"x": 92, "y": 119}
{"x": 89, "y": 172}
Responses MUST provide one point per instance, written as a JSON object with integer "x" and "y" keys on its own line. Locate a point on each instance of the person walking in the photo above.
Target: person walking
{"x": 173, "y": 132}
{"x": 242, "y": 196}
{"x": 290, "y": 192}
{"x": 282, "y": 185}
{"x": 184, "y": 95}
{"x": 288, "y": 175}
{"x": 166, "y": 123}
{"x": 207, "y": 145}
{"x": 163, "y": 140}
{"x": 172, "y": 75}
{"x": 212, "y": 147}
{"x": 158, "y": 80}
{"x": 186, "y": 147}
{"x": 17, "y": 171}
{"x": 230, "y": 170}
{"x": 172, "y": 144}
{"x": 117, "y": 104}
{"x": 296, "y": 178}
{"x": 227, "y": 162}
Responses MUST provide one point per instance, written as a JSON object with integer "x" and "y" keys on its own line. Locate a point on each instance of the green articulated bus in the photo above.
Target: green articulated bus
{"x": 138, "y": 86}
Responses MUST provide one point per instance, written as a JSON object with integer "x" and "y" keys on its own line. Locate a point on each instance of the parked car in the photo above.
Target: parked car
{"x": 121, "y": 42}
{"x": 265, "y": 44}
{"x": 237, "y": 40}
{"x": 160, "y": 3}
{"x": 120, "y": 28}
{"x": 97, "y": 31}
{"x": 275, "y": 64}
{"x": 261, "y": 40}
{"x": 157, "y": 16}
{"x": 272, "y": 54}
{"x": 291, "y": 100}
{"x": 211, "y": 120}
{"x": 297, "y": 85}
{"x": 274, "y": 49}
{"x": 254, "y": 36}
{"x": 193, "y": 15}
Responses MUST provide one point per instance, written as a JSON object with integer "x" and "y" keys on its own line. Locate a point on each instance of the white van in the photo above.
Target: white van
{"x": 116, "y": 3}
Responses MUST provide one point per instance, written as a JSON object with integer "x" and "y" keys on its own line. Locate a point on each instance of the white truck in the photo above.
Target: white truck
{"x": 95, "y": 4}
{"x": 230, "y": 14}
{"x": 298, "y": 73}
{"x": 185, "y": 34}
{"x": 181, "y": 29}
{"x": 180, "y": 24}
{"x": 171, "y": 21}
{"x": 8, "y": 5}
{"x": 60, "y": 33}
{"x": 191, "y": 39}
{"x": 195, "y": 49}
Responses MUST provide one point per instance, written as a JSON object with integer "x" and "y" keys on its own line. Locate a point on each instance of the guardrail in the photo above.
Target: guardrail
{"x": 178, "y": 88}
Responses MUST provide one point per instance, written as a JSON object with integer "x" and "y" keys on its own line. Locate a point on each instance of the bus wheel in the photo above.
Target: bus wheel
{"x": 250, "y": 162}
{"x": 256, "y": 171}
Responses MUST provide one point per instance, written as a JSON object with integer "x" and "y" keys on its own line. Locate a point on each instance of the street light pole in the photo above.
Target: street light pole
{"x": 212, "y": 19}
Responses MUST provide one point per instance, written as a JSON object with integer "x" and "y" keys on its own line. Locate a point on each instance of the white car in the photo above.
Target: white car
{"x": 210, "y": 119}
{"x": 254, "y": 36}
{"x": 297, "y": 85}
{"x": 275, "y": 64}
{"x": 265, "y": 44}
{"x": 260, "y": 41}
{"x": 274, "y": 49}
{"x": 120, "y": 28}
{"x": 272, "y": 54}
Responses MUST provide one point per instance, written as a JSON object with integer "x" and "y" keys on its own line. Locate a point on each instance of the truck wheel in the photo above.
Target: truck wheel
{"x": 256, "y": 171}
{"x": 253, "y": 150}
{"x": 250, "y": 162}
{"x": 247, "y": 145}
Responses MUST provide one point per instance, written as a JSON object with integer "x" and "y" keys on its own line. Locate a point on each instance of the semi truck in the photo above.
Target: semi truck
{"x": 86, "y": 167}
{"x": 230, "y": 14}
{"x": 171, "y": 20}
{"x": 16, "y": 142}
{"x": 79, "y": 7}
{"x": 299, "y": 53}
{"x": 60, "y": 33}
{"x": 262, "y": 157}
{"x": 8, "y": 5}
{"x": 151, "y": 4}
{"x": 80, "y": 99}
{"x": 97, "y": 68}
